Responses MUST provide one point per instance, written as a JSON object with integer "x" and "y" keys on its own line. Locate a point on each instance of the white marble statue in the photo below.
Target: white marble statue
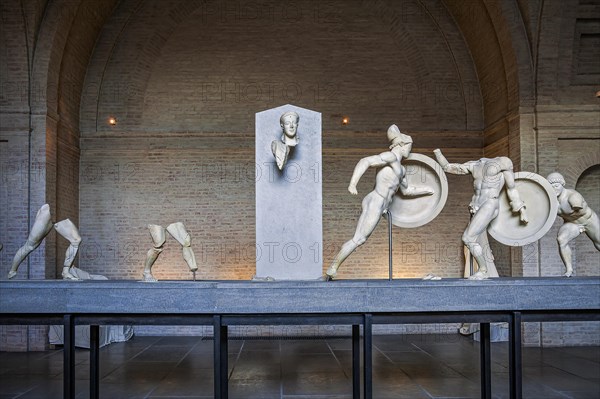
{"x": 390, "y": 177}
{"x": 490, "y": 176}
{"x": 289, "y": 139}
{"x": 178, "y": 232}
{"x": 578, "y": 216}
{"x": 41, "y": 228}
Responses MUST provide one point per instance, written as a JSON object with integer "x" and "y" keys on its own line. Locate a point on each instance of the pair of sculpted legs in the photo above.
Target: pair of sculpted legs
{"x": 475, "y": 238}
{"x": 373, "y": 206}
{"x": 41, "y": 228}
{"x": 569, "y": 231}
{"x": 179, "y": 233}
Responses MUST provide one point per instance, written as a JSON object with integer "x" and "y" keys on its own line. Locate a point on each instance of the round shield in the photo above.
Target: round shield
{"x": 541, "y": 206}
{"x": 421, "y": 171}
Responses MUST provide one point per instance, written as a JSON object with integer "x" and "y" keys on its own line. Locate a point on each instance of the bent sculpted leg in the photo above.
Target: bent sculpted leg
{"x": 178, "y": 231}
{"x": 41, "y": 227}
{"x": 471, "y": 237}
{"x": 592, "y": 230}
{"x": 567, "y": 233}
{"x": 158, "y": 241}
{"x": 67, "y": 229}
{"x": 372, "y": 208}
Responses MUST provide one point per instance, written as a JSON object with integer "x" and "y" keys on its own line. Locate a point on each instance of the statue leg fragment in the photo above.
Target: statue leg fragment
{"x": 373, "y": 206}
{"x": 593, "y": 231}
{"x": 472, "y": 237}
{"x": 178, "y": 231}
{"x": 347, "y": 249}
{"x": 68, "y": 230}
{"x": 567, "y": 233}
{"x": 41, "y": 227}
{"x": 158, "y": 240}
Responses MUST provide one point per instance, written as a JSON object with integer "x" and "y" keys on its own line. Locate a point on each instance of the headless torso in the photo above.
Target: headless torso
{"x": 490, "y": 176}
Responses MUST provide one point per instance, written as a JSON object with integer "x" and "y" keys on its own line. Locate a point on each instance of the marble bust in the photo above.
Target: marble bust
{"x": 281, "y": 148}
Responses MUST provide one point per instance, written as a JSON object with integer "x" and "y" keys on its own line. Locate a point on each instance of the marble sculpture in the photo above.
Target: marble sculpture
{"x": 281, "y": 148}
{"x": 490, "y": 176}
{"x": 178, "y": 232}
{"x": 390, "y": 177}
{"x": 41, "y": 228}
{"x": 578, "y": 218}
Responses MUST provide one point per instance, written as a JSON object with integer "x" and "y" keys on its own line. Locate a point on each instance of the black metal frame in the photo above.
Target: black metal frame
{"x": 221, "y": 322}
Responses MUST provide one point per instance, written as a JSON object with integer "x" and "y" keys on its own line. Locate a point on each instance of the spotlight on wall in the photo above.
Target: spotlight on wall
{"x": 598, "y": 94}
{"x": 112, "y": 121}
{"x": 345, "y": 121}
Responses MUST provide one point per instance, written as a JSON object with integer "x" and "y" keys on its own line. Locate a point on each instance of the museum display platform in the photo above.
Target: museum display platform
{"x": 342, "y": 302}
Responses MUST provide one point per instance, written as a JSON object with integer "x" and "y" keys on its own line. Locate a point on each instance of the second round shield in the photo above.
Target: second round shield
{"x": 541, "y": 206}
{"x": 421, "y": 171}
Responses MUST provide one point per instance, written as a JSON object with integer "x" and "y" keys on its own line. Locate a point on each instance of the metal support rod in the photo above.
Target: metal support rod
{"x": 471, "y": 257}
{"x": 368, "y": 355}
{"x": 220, "y": 358}
{"x": 515, "y": 357}
{"x": 69, "y": 357}
{"x": 485, "y": 359}
{"x": 356, "y": 361}
{"x": 389, "y": 218}
{"x": 471, "y": 264}
{"x": 94, "y": 361}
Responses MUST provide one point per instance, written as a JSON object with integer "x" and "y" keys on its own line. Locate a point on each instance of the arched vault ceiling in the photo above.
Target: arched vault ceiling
{"x": 179, "y": 65}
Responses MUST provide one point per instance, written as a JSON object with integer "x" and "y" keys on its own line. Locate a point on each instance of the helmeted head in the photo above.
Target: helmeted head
{"x": 289, "y": 123}
{"x": 557, "y": 181}
{"x": 397, "y": 138}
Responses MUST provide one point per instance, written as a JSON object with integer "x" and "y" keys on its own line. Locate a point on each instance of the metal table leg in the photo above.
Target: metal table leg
{"x": 485, "y": 359}
{"x": 368, "y": 356}
{"x": 94, "y": 362}
{"x": 220, "y": 358}
{"x": 356, "y": 361}
{"x": 69, "y": 357}
{"x": 515, "y": 357}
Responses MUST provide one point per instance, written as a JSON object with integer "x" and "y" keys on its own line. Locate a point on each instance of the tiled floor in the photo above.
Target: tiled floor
{"x": 404, "y": 366}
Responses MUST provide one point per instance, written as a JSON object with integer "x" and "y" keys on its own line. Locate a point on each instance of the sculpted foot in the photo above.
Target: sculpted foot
{"x": 68, "y": 276}
{"x": 568, "y": 273}
{"x": 11, "y": 274}
{"x": 148, "y": 277}
{"x": 480, "y": 275}
{"x": 331, "y": 272}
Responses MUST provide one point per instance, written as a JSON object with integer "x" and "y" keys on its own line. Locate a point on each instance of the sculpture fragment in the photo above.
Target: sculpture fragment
{"x": 41, "y": 228}
{"x": 578, "y": 218}
{"x": 178, "y": 232}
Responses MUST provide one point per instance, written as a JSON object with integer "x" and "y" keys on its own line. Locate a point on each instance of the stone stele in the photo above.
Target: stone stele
{"x": 289, "y": 221}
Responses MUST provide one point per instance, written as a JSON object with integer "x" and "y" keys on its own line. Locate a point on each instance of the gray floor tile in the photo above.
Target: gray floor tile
{"x": 317, "y": 383}
{"x": 186, "y": 384}
{"x": 305, "y": 363}
{"x": 304, "y": 346}
{"x": 449, "y": 387}
{"x": 258, "y": 388}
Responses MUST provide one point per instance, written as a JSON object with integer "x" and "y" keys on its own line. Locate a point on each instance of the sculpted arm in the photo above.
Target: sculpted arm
{"x": 576, "y": 201}
{"x": 364, "y": 164}
{"x": 516, "y": 204}
{"x": 453, "y": 168}
{"x": 413, "y": 191}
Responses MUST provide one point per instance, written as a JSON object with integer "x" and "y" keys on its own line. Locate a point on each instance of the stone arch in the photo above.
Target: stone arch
{"x": 579, "y": 166}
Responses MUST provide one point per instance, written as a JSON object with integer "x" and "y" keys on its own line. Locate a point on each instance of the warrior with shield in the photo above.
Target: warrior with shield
{"x": 390, "y": 178}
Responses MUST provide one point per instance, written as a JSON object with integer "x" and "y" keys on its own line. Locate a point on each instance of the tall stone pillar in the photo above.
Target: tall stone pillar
{"x": 289, "y": 221}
